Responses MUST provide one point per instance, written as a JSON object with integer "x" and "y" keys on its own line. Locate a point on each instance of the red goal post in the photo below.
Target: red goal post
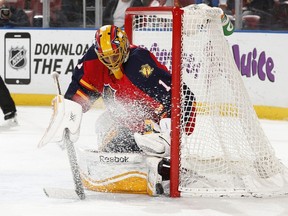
{"x": 176, "y": 12}
{"x": 228, "y": 153}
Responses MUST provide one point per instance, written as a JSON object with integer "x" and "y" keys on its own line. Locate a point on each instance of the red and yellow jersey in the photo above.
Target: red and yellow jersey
{"x": 144, "y": 92}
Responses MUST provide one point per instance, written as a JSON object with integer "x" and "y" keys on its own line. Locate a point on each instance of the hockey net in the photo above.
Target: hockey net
{"x": 228, "y": 153}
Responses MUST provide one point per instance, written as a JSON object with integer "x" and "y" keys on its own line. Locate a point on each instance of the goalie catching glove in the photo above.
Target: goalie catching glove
{"x": 66, "y": 114}
{"x": 156, "y": 139}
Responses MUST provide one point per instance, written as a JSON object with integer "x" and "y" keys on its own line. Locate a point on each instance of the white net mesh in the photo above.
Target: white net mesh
{"x": 227, "y": 154}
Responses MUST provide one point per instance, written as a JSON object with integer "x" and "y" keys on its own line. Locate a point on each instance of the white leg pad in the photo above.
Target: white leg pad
{"x": 154, "y": 144}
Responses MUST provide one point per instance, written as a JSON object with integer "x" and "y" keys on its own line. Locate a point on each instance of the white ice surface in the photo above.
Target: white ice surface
{"x": 25, "y": 170}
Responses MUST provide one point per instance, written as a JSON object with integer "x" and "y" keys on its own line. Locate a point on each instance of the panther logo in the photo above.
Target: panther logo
{"x": 146, "y": 70}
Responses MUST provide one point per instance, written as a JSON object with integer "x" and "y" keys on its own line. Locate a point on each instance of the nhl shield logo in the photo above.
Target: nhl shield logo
{"x": 17, "y": 57}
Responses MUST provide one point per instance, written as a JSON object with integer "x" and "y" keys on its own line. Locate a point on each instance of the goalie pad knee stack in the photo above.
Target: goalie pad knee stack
{"x": 155, "y": 144}
{"x": 156, "y": 140}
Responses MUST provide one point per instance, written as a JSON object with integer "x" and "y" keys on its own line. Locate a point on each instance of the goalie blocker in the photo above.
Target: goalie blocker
{"x": 66, "y": 114}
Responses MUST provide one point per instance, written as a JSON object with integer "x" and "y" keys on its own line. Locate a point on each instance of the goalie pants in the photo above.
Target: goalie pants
{"x": 6, "y": 102}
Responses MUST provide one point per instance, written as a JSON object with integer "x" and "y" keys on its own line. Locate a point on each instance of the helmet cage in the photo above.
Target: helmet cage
{"x": 111, "y": 46}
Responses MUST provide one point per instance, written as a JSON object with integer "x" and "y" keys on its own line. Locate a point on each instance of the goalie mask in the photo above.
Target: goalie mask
{"x": 112, "y": 48}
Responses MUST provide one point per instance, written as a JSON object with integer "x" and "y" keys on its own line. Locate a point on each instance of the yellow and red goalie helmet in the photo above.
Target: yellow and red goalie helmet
{"x": 112, "y": 48}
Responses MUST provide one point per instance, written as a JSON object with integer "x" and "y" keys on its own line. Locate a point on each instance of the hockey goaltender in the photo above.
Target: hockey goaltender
{"x": 134, "y": 130}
